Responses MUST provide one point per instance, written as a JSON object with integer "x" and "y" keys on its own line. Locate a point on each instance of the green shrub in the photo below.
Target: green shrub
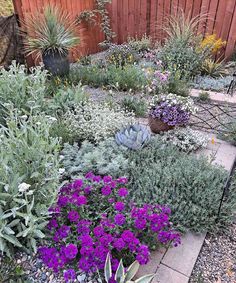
{"x": 181, "y": 51}
{"x": 228, "y": 132}
{"x": 177, "y": 85}
{"x": 204, "y": 96}
{"x": 190, "y": 186}
{"x": 136, "y": 105}
{"x": 96, "y": 121}
{"x": 130, "y": 77}
{"x": 140, "y": 45}
{"x": 92, "y": 75}
{"x": 105, "y": 158}
{"x": 121, "y": 55}
{"x": 29, "y": 164}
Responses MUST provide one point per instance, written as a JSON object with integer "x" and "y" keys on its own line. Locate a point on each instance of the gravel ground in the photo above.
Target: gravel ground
{"x": 34, "y": 271}
{"x": 217, "y": 260}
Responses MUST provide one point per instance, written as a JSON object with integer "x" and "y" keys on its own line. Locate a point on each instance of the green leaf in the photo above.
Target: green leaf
{"x": 145, "y": 279}
{"x": 13, "y": 240}
{"x": 120, "y": 272}
{"x": 107, "y": 268}
{"x": 39, "y": 234}
{"x": 132, "y": 270}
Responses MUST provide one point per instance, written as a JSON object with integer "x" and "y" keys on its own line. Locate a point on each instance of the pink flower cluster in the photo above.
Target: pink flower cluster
{"x": 93, "y": 217}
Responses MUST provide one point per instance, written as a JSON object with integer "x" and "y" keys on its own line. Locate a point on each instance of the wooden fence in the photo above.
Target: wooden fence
{"x": 137, "y": 17}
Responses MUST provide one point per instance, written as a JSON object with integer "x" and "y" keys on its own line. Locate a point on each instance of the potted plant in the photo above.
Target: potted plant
{"x": 168, "y": 111}
{"x": 51, "y": 35}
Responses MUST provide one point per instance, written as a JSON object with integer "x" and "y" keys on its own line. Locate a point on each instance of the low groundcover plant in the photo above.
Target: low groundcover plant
{"x": 92, "y": 218}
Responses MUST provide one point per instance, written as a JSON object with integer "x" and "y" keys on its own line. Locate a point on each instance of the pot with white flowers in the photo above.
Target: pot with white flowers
{"x": 51, "y": 36}
{"x": 168, "y": 111}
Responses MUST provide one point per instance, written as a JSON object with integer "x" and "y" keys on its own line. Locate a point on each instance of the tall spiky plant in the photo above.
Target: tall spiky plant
{"x": 182, "y": 26}
{"x": 52, "y": 31}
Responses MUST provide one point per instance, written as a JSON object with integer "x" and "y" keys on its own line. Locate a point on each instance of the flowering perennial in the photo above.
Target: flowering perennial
{"x": 172, "y": 109}
{"x": 93, "y": 217}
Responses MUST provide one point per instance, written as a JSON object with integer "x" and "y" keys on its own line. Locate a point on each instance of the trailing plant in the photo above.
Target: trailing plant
{"x": 95, "y": 122}
{"x": 122, "y": 275}
{"x": 186, "y": 139}
{"x": 104, "y": 158}
{"x": 134, "y": 104}
{"x": 105, "y": 24}
{"x": 29, "y": 179}
{"x": 96, "y": 219}
{"x": 172, "y": 109}
{"x": 190, "y": 186}
{"x": 134, "y": 136}
{"x": 214, "y": 84}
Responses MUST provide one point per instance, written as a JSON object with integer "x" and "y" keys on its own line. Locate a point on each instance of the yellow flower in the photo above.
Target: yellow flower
{"x": 213, "y": 141}
{"x": 212, "y": 42}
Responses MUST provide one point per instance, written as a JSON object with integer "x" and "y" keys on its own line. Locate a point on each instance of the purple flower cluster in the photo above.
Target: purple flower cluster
{"x": 171, "y": 115}
{"x": 93, "y": 217}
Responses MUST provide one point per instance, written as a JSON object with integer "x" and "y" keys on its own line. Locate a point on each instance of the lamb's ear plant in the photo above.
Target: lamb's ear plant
{"x": 29, "y": 165}
{"x": 122, "y": 276}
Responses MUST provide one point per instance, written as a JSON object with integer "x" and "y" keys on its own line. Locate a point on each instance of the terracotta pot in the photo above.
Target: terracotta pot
{"x": 157, "y": 126}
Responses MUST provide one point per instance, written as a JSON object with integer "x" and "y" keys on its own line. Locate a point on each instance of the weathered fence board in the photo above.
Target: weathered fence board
{"x": 137, "y": 17}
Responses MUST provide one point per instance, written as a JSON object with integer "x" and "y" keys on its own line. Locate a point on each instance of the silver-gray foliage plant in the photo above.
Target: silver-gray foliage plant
{"x": 105, "y": 158}
{"x": 29, "y": 170}
{"x": 134, "y": 136}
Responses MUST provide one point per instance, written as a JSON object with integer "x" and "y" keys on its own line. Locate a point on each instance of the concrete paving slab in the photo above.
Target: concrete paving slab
{"x": 225, "y": 156}
{"x": 168, "y": 275}
{"x": 154, "y": 262}
{"x": 182, "y": 259}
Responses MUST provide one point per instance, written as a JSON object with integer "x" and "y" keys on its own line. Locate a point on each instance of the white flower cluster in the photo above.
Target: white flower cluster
{"x": 187, "y": 103}
{"x": 186, "y": 139}
{"x": 95, "y": 121}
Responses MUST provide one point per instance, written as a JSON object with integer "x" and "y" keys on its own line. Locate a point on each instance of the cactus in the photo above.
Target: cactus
{"x": 125, "y": 277}
{"x": 134, "y": 136}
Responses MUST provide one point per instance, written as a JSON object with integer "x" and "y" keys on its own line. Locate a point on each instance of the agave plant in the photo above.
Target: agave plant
{"x": 134, "y": 136}
{"x": 125, "y": 277}
{"x": 51, "y": 32}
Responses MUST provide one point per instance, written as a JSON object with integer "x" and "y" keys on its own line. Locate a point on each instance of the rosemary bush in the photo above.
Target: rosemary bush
{"x": 191, "y": 187}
